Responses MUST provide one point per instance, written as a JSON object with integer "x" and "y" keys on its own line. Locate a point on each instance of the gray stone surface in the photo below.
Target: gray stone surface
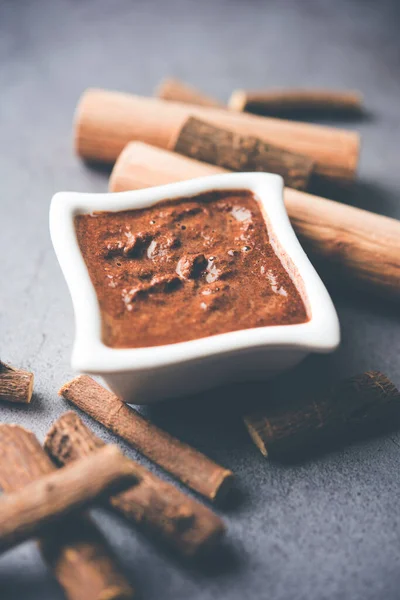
{"x": 324, "y": 529}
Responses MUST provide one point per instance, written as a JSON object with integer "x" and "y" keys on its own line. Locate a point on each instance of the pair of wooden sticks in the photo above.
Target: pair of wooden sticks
{"x": 106, "y": 121}
{"x": 268, "y": 101}
{"x": 349, "y": 408}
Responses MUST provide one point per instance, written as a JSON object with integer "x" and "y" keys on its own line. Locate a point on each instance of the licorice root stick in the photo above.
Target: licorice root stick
{"x": 16, "y": 385}
{"x": 188, "y": 465}
{"x": 178, "y": 91}
{"x": 75, "y": 550}
{"x": 286, "y": 100}
{"x": 29, "y": 511}
{"x": 106, "y": 121}
{"x": 207, "y": 143}
{"x": 158, "y": 507}
{"x": 268, "y": 101}
{"x": 358, "y": 402}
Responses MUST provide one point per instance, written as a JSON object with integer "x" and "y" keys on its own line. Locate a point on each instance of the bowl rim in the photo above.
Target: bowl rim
{"x": 320, "y": 334}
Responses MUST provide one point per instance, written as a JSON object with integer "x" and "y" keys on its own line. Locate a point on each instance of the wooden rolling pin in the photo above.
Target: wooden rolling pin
{"x": 106, "y": 121}
{"x": 364, "y": 247}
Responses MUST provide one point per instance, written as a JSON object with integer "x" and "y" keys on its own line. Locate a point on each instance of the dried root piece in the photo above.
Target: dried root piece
{"x": 16, "y": 385}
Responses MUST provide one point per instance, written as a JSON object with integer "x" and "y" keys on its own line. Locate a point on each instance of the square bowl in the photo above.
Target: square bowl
{"x": 145, "y": 375}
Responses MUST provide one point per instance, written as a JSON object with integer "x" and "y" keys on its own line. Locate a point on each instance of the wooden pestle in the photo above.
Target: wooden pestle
{"x": 363, "y": 246}
{"x": 106, "y": 121}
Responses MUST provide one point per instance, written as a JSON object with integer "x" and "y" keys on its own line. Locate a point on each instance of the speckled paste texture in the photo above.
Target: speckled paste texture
{"x": 186, "y": 269}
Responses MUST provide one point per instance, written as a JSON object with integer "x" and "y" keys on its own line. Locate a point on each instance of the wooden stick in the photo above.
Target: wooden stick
{"x": 106, "y": 121}
{"x": 16, "y": 385}
{"x": 204, "y": 142}
{"x": 268, "y": 101}
{"x": 186, "y": 464}
{"x": 356, "y": 403}
{"x": 26, "y": 513}
{"x": 75, "y": 550}
{"x": 187, "y": 526}
{"x": 140, "y": 166}
{"x": 284, "y": 101}
{"x": 178, "y": 91}
{"x": 363, "y": 248}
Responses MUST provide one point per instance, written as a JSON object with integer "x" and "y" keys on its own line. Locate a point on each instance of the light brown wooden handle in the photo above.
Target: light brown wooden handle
{"x": 106, "y": 121}
{"x": 363, "y": 246}
{"x": 271, "y": 102}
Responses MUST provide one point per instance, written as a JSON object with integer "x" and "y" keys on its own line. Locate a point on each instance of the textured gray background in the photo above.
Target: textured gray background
{"x": 326, "y": 528}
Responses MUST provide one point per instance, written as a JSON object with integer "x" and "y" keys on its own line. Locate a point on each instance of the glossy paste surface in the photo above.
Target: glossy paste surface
{"x": 185, "y": 269}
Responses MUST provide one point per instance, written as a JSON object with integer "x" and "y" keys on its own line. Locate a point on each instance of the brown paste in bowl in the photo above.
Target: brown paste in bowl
{"x": 186, "y": 269}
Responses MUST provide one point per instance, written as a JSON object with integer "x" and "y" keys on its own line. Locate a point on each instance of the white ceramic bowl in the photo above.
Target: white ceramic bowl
{"x": 144, "y": 375}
